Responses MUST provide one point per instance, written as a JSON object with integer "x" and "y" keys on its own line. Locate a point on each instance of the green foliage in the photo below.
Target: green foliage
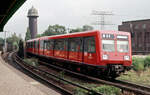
{"x": 31, "y": 61}
{"x": 1, "y": 41}
{"x": 147, "y": 62}
{"x": 79, "y": 91}
{"x": 28, "y": 34}
{"x": 106, "y": 90}
{"x": 14, "y": 40}
{"x": 54, "y": 30}
{"x": 39, "y": 35}
{"x": 59, "y": 29}
{"x": 61, "y": 74}
{"x": 133, "y": 76}
{"x": 138, "y": 63}
{"x": 84, "y": 28}
{"x": 87, "y": 28}
{"x": 75, "y": 30}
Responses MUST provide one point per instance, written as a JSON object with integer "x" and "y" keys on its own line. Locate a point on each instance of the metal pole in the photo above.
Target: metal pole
{"x": 5, "y": 44}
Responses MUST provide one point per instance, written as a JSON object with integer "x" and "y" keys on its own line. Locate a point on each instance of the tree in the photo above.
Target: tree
{"x": 87, "y": 28}
{"x": 75, "y": 30}
{"x": 54, "y": 30}
{"x": 13, "y": 41}
{"x": 39, "y": 35}
{"x": 13, "y": 38}
{"x": 84, "y": 28}
{"x": 1, "y": 41}
{"x": 28, "y": 34}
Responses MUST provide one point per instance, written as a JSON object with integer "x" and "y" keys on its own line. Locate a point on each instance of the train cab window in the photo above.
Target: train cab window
{"x": 59, "y": 44}
{"x": 75, "y": 44}
{"x": 89, "y": 44}
{"x": 122, "y": 46}
{"x": 108, "y": 45}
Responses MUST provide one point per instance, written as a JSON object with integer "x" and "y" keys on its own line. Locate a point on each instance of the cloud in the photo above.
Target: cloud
{"x": 75, "y": 13}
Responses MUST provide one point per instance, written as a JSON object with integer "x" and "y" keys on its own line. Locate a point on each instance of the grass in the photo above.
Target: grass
{"x": 31, "y": 61}
{"x": 141, "y": 71}
{"x": 136, "y": 77}
{"x": 105, "y": 89}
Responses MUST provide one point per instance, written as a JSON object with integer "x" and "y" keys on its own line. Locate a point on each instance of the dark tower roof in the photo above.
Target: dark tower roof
{"x": 32, "y": 12}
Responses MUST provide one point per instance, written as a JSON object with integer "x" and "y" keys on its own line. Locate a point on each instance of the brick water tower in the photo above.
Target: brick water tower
{"x": 33, "y": 15}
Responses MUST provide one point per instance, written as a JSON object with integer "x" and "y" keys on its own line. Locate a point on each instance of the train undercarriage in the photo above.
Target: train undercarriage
{"x": 109, "y": 71}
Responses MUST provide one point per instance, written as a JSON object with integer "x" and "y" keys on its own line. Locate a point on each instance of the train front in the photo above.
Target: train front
{"x": 116, "y": 52}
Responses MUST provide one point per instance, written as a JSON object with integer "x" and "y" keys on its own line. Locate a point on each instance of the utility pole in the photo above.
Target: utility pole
{"x": 101, "y": 15}
{"x": 68, "y": 30}
{"x": 5, "y": 44}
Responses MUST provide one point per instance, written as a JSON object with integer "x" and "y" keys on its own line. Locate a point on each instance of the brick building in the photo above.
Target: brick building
{"x": 140, "y": 31}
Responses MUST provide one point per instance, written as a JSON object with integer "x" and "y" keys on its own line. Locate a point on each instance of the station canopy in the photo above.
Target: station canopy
{"x": 7, "y": 9}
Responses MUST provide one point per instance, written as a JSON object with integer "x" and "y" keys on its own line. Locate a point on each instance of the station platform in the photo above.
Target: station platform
{"x": 14, "y": 82}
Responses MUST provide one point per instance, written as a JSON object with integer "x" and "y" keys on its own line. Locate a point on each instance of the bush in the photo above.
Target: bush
{"x": 147, "y": 62}
{"x": 79, "y": 91}
{"x": 31, "y": 61}
{"x": 107, "y": 90}
{"x": 138, "y": 63}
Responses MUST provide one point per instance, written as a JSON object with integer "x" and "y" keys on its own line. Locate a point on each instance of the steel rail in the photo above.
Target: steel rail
{"x": 39, "y": 76}
{"x": 125, "y": 86}
{"x": 48, "y": 73}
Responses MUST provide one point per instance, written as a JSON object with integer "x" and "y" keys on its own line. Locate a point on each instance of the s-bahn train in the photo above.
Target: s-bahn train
{"x": 102, "y": 53}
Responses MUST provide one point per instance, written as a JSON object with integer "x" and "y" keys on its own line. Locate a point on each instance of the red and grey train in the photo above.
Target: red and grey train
{"x": 104, "y": 53}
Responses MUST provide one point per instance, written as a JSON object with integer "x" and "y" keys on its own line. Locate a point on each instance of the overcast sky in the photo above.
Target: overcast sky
{"x": 75, "y": 13}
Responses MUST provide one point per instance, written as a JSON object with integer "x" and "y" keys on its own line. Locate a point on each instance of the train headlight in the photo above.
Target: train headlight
{"x": 105, "y": 57}
{"x": 126, "y": 58}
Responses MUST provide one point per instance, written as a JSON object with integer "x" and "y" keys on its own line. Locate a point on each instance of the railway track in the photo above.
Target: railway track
{"x": 124, "y": 85}
{"x": 47, "y": 76}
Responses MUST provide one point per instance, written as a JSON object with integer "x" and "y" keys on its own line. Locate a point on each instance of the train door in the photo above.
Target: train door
{"x": 89, "y": 50}
{"x": 75, "y": 49}
{"x": 41, "y": 47}
{"x": 80, "y": 49}
{"x": 44, "y": 48}
{"x": 59, "y": 50}
{"x": 51, "y": 47}
{"x": 34, "y": 47}
{"x": 38, "y": 46}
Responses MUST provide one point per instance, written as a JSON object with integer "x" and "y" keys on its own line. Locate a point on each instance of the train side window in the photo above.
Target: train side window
{"x": 50, "y": 44}
{"x": 28, "y": 45}
{"x": 75, "y": 44}
{"x": 45, "y": 44}
{"x": 34, "y": 44}
{"x": 66, "y": 44}
{"x": 89, "y": 44}
{"x": 41, "y": 44}
{"x": 59, "y": 44}
{"x": 31, "y": 44}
